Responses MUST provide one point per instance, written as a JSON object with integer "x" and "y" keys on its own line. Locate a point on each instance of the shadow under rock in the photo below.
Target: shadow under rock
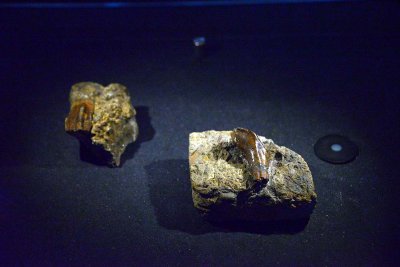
{"x": 97, "y": 156}
{"x": 146, "y": 132}
{"x": 171, "y": 197}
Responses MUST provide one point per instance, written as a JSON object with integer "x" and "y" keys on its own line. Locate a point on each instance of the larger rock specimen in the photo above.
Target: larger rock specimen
{"x": 237, "y": 175}
{"x": 103, "y": 119}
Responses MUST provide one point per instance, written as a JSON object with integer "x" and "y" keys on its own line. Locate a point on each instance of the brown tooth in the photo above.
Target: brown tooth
{"x": 80, "y": 116}
{"x": 253, "y": 150}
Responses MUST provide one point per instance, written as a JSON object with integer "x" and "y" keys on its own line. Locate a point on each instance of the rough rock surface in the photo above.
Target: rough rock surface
{"x": 102, "y": 118}
{"x": 223, "y": 187}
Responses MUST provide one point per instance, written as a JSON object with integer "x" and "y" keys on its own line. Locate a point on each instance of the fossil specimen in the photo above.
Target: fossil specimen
{"x": 103, "y": 119}
{"x": 239, "y": 175}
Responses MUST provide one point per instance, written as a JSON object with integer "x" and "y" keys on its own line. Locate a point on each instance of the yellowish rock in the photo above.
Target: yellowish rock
{"x": 224, "y": 186}
{"x": 102, "y": 116}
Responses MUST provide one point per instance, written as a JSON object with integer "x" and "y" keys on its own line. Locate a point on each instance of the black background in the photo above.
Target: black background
{"x": 290, "y": 72}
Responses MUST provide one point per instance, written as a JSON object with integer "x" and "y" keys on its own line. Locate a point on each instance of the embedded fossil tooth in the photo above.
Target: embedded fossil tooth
{"x": 102, "y": 117}
{"x": 80, "y": 116}
{"x": 254, "y": 151}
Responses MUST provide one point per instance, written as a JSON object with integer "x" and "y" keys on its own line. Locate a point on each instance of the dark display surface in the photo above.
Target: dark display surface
{"x": 290, "y": 72}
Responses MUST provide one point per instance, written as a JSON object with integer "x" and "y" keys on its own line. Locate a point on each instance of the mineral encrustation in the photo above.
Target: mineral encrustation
{"x": 238, "y": 175}
{"x": 103, "y": 119}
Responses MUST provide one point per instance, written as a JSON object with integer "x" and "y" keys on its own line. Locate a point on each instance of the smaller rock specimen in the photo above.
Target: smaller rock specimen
{"x": 238, "y": 175}
{"x": 103, "y": 119}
